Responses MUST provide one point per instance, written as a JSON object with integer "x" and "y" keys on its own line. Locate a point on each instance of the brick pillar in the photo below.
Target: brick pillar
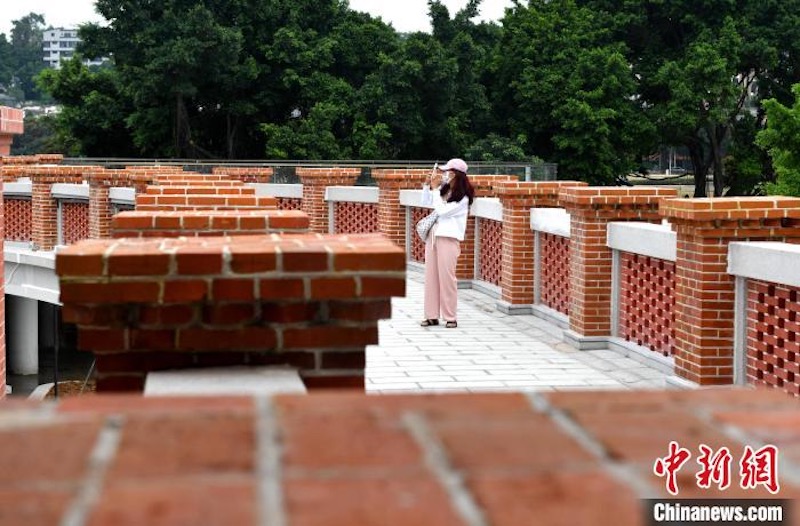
{"x": 391, "y": 214}
{"x": 591, "y": 209}
{"x": 704, "y": 303}
{"x": 45, "y": 207}
{"x": 2, "y": 301}
{"x": 99, "y": 204}
{"x": 246, "y": 174}
{"x": 518, "y": 198}
{"x": 483, "y": 184}
{"x": 11, "y": 123}
{"x": 312, "y": 302}
{"x": 315, "y": 180}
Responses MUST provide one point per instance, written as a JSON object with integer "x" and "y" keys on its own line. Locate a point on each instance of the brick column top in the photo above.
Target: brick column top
{"x": 402, "y": 177}
{"x": 328, "y": 175}
{"x": 175, "y": 258}
{"x": 484, "y": 184}
{"x": 731, "y": 209}
{"x": 598, "y": 197}
{"x": 540, "y": 193}
{"x": 58, "y": 174}
{"x": 41, "y": 158}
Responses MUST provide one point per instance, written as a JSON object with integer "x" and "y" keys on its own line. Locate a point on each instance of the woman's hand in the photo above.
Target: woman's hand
{"x": 436, "y": 179}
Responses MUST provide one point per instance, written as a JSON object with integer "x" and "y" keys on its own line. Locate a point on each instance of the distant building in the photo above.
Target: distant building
{"x": 60, "y": 44}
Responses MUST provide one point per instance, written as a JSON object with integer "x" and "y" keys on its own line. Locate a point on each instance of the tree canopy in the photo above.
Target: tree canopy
{"x": 593, "y": 85}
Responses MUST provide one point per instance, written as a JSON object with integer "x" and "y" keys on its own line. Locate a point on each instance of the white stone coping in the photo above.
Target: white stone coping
{"x": 30, "y": 274}
{"x": 70, "y": 191}
{"x": 224, "y": 381}
{"x": 353, "y": 194}
{"x": 484, "y": 207}
{"x": 18, "y": 189}
{"x": 554, "y": 221}
{"x": 647, "y": 239}
{"x": 769, "y": 261}
{"x": 122, "y": 196}
{"x": 488, "y": 208}
{"x": 286, "y": 191}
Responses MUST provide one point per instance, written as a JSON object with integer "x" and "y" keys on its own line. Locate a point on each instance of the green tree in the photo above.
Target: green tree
{"x": 701, "y": 67}
{"x": 26, "y": 54}
{"x": 93, "y": 111}
{"x": 781, "y": 138}
{"x": 563, "y": 81}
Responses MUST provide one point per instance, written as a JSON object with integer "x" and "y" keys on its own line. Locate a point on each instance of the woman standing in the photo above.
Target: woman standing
{"x": 451, "y": 194}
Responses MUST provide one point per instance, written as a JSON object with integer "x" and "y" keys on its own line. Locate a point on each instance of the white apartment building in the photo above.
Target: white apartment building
{"x": 60, "y": 44}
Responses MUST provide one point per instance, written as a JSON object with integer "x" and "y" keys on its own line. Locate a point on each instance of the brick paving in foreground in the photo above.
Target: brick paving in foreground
{"x": 489, "y": 351}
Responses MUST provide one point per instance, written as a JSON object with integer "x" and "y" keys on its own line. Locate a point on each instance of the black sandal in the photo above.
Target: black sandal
{"x": 451, "y": 324}
{"x": 428, "y": 323}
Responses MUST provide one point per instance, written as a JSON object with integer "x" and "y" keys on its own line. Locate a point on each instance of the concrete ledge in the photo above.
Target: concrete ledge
{"x": 551, "y": 315}
{"x": 647, "y": 239}
{"x": 585, "y": 343}
{"x": 70, "y": 191}
{"x": 680, "y": 383}
{"x": 122, "y": 196}
{"x": 765, "y": 261}
{"x": 554, "y": 221}
{"x": 286, "y": 191}
{"x": 514, "y": 310}
{"x": 488, "y": 208}
{"x": 642, "y": 355}
{"x": 224, "y": 381}
{"x": 352, "y": 194}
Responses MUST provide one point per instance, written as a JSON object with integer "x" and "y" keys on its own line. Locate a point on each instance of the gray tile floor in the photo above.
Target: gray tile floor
{"x": 489, "y": 351}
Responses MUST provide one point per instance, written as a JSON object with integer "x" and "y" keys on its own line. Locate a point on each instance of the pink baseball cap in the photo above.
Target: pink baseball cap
{"x": 455, "y": 164}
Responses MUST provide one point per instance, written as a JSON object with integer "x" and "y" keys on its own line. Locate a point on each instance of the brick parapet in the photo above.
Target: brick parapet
{"x": 391, "y": 214}
{"x": 315, "y": 180}
{"x": 484, "y": 184}
{"x": 519, "y": 265}
{"x": 246, "y": 174}
{"x": 308, "y": 301}
{"x": 591, "y": 209}
{"x": 513, "y": 460}
{"x": 704, "y": 303}
{"x": 208, "y": 223}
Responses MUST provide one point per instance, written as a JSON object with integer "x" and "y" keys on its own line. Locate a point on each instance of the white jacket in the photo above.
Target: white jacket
{"x": 452, "y": 216}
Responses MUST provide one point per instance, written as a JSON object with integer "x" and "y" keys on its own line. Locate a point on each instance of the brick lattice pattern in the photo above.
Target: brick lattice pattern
{"x": 289, "y": 203}
{"x": 417, "y": 246}
{"x": 491, "y": 251}
{"x": 74, "y": 221}
{"x": 773, "y": 326}
{"x": 19, "y": 220}
{"x": 647, "y": 303}
{"x": 355, "y": 218}
{"x": 555, "y": 272}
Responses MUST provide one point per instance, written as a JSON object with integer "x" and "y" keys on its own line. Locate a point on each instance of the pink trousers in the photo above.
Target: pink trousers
{"x": 441, "y": 285}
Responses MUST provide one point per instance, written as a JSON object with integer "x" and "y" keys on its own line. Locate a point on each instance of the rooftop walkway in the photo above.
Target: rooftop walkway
{"x": 489, "y": 351}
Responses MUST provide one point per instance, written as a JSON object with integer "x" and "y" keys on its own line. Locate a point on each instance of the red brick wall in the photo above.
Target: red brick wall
{"x": 246, "y": 174}
{"x": 196, "y": 223}
{"x": 704, "y": 304}
{"x": 491, "y": 251}
{"x": 312, "y": 302}
{"x": 554, "y": 273}
{"x": 289, "y": 203}
{"x": 518, "y": 240}
{"x": 391, "y": 214}
{"x": 647, "y": 303}
{"x": 336, "y": 459}
{"x": 19, "y": 219}
{"x": 74, "y": 221}
{"x": 417, "y": 246}
{"x": 315, "y": 180}
{"x": 355, "y": 218}
{"x": 773, "y": 336}
{"x": 592, "y": 208}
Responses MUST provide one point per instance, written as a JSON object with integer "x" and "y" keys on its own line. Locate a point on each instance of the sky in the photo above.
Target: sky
{"x": 404, "y": 15}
